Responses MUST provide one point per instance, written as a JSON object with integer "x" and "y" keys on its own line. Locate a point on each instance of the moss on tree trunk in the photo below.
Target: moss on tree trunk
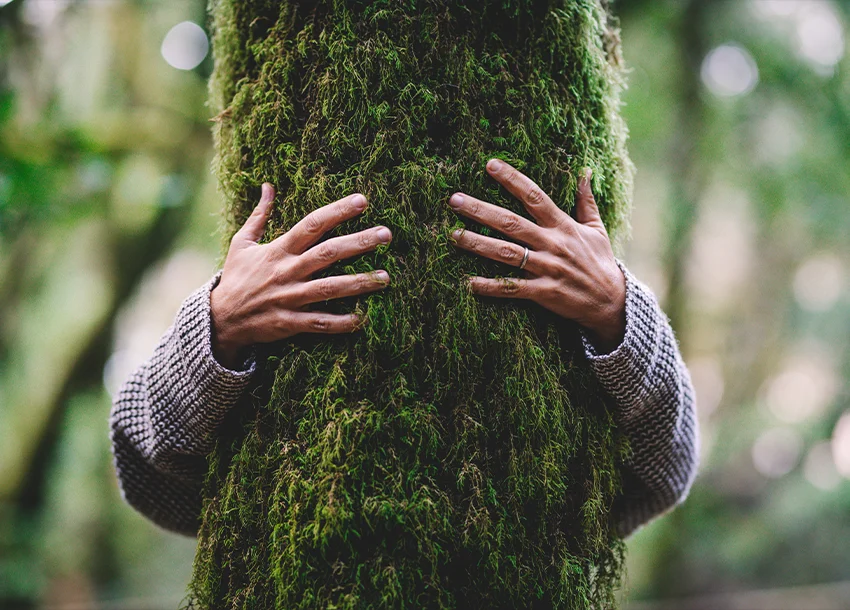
{"x": 457, "y": 452}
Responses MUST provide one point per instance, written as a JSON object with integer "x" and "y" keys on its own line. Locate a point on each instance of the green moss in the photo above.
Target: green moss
{"x": 457, "y": 452}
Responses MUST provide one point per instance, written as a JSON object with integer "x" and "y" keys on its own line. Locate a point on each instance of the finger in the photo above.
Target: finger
{"x": 336, "y": 287}
{"x": 310, "y": 229}
{"x": 538, "y": 203}
{"x": 497, "y": 218}
{"x": 498, "y": 250}
{"x": 503, "y": 287}
{"x": 253, "y": 229}
{"x": 587, "y": 212}
{"x": 342, "y": 247}
{"x": 319, "y": 322}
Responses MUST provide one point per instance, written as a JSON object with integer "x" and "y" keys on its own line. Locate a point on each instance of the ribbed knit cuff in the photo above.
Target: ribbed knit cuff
{"x": 195, "y": 391}
{"x": 623, "y": 372}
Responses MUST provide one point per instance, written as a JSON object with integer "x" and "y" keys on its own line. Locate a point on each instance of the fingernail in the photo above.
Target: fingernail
{"x": 456, "y": 234}
{"x": 359, "y": 202}
{"x": 266, "y": 195}
{"x": 587, "y": 173}
{"x": 494, "y": 165}
{"x": 383, "y": 276}
{"x": 456, "y": 200}
{"x": 384, "y": 235}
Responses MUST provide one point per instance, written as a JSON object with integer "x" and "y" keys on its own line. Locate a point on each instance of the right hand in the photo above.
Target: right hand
{"x": 265, "y": 289}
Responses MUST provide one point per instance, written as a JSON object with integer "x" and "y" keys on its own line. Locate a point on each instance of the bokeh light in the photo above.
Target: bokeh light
{"x": 803, "y": 389}
{"x": 841, "y": 445}
{"x": 729, "y": 71}
{"x": 813, "y": 27}
{"x": 820, "y": 35}
{"x": 185, "y": 46}
{"x": 777, "y": 8}
{"x": 43, "y": 14}
{"x": 819, "y": 467}
{"x": 819, "y": 282}
{"x": 776, "y": 452}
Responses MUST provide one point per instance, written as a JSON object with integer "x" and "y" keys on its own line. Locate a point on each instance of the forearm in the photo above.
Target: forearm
{"x": 172, "y": 502}
{"x": 656, "y": 409}
{"x": 164, "y": 418}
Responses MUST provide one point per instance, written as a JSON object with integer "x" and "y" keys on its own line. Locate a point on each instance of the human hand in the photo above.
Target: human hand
{"x": 570, "y": 267}
{"x": 265, "y": 289}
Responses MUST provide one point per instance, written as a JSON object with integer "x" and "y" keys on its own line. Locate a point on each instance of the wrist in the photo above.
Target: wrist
{"x": 226, "y": 347}
{"x": 608, "y": 328}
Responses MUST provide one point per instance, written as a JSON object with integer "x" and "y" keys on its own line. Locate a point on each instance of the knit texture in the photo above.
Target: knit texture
{"x": 656, "y": 409}
{"x": 164, "y": 417}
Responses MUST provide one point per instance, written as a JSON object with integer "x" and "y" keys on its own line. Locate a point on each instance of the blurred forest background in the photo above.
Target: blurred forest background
{"x": 739, "y": 113}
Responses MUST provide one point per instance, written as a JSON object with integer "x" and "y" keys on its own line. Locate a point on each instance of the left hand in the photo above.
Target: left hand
{"x": 571, "y": 269}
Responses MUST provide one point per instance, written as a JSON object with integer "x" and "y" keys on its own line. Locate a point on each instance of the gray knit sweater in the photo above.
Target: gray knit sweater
{"x": 164, "y": 417}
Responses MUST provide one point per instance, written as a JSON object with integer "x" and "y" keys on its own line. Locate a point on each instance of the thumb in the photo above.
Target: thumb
{"x": 253, "y": 229}
{"x": 587, "y": 213}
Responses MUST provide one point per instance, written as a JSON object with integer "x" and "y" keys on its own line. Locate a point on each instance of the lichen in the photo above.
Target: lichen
{"x": 457, "y": 452}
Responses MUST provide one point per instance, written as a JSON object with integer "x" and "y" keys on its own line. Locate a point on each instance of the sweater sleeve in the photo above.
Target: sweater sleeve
{"x": 164, "y": 416}
{"x": 656, "y": 404}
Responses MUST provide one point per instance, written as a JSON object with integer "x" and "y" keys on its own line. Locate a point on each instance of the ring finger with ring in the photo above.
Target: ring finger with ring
{"x": 497, "y": 250}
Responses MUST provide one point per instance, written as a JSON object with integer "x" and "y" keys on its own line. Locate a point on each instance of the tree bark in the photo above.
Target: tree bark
{"x": 457, "y": 452}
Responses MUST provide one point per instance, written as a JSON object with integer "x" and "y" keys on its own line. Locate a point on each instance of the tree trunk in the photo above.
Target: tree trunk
{"x": 457, "y": 452}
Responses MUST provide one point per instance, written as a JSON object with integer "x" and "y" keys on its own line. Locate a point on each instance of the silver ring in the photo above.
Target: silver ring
{"x": 524, "y": 258}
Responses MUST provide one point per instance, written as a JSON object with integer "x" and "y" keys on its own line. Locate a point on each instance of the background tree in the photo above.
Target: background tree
{"x": 457, "y": 452}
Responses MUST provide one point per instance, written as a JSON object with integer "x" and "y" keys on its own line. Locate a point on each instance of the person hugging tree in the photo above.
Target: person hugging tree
{"x": 441, "y": 390}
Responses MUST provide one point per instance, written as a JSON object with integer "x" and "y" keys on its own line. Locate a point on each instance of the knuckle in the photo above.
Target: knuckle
{"x": 313, "y": 224}
{"x": 320, "y": 324}
{"x": 507, "y": 253}
{"x": 325, "y": 289}
{"x": 569, "y": 231}
{"x": 509, "y": 223}
{"x": 557, "y": 267}
{"x": 553, "y": 287}
{"x": 283, "y": 322}
{"x": 564, "y": 250}
{"x": 535, "y": 196}
{"x": 511, "y": 287}
{"x": 282, "y": 265}
{"x": 366, "y": 240}
{"x": 327, "y": 252}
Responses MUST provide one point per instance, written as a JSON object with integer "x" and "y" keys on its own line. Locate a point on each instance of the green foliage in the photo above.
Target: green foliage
{"x": 457, "y": 452}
